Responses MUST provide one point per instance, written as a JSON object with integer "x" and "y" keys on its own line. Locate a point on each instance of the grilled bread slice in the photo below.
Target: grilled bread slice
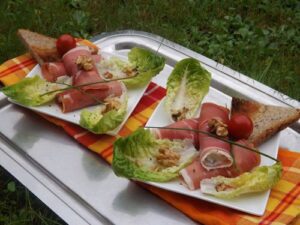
{"x": 267, "y": 119}
{"x": 42, "y": 48}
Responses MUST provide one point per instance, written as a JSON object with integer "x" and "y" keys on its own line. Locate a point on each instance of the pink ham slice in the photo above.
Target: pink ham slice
{"x": 193, "y": 174}
{"x": 96, "y": 58}
{"x": 52, "y": 70}
{"x": 73, "y": 99}
{"x": 86, "y": 77}
{"x": 179, "y": 134}
{"x": 82, "y": 76}
{"x": 214, "y": 153}
{"x": 69, "y": 59}
{"x": 245, "y": 160}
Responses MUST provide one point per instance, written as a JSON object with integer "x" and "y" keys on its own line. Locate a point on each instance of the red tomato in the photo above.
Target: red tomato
{"x": 240, "y": 126}
{"x": 64, "y": 43}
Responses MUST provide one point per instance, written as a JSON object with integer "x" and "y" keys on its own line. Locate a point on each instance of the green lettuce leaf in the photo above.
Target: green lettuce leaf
{"x": 29, "y": 90}
{"x": 136, "y": 157}
{"x": 101, "y": 123}
{"x": 260, "y": 179}
{"x": 186, "y": 87}
{"x": 147, "y": 63}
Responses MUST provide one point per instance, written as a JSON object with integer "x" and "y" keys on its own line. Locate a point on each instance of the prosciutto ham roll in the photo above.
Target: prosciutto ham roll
{"x": 52, "y": 70}
{"x": 75, "y": 62}
{"x": 86, "y": 77}
{"x": 214, "y": 153}
{"x": 193, "y": 174}
{"x": 179, "y": 134}
{"x": 70, "y": 58}
{"x": 73, "y": 99}
{"x": 245, "y": 161}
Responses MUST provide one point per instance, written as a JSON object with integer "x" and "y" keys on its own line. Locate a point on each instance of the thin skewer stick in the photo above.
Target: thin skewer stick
{"x": 83, "y": 92}
{"x": 83, "y": 85}
{"x": 215, "y": 136}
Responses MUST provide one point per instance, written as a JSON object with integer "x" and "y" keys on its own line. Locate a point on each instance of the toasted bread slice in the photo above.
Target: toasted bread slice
{"x": 267, "y": 119}
{"x": 41, "y": 47}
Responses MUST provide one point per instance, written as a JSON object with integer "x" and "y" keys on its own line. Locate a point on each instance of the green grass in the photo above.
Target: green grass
{"x": 19, "y": 207}
{"x": 259, "y": 38}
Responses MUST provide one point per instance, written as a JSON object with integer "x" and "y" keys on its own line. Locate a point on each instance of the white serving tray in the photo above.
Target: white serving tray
{"x": 79, "y": 186}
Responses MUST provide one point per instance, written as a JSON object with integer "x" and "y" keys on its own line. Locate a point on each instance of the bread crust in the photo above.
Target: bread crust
{"x": 42, "y": 48}
{"x": 267, "y": 119}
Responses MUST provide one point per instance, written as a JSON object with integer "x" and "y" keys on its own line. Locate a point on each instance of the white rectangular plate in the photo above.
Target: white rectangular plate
{"x": 52, "y": 109}
{"x": 251, "y": 203}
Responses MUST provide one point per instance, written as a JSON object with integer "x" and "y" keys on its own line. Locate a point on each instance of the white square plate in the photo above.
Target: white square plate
{"x": 251, "y": 203}
{"x": 52, "y": 109}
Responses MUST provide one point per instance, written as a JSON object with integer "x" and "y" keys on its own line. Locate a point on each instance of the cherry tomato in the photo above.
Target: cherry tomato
{"x": 240, "y": 126}
{"x": 64, "y": 43}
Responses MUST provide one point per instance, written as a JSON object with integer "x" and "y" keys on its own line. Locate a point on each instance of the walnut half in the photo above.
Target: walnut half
{"x": 223, "y": 187}
{"x": 112, "y": 103}
{"x": 84, "y": 62}
{"x": 217, "y": 126}
{"x": 130, "y": 72}
{"x": 179, "y": 114}
{"x": 167, "y": 158}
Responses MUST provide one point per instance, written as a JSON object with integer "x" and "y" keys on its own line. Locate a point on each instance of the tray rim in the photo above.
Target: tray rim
{"x": 260, "y": 87}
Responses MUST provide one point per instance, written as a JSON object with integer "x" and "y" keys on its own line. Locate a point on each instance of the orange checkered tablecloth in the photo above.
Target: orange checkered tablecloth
{"x": 284, "y": 202}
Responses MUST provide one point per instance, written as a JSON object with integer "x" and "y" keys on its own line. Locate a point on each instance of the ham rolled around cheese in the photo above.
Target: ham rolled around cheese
{"x": 70, "y": 57}
{"x": 179, "y": 134}
{"x": 193, "y": 174}
{"x": 86, "y": 77}
{"x": 73, "y": 99}
{"x": 89, "y": 95}
{"x": 214, "y": 153}
{"x": 245, "y": 161}
{"x": 52, "y": 70}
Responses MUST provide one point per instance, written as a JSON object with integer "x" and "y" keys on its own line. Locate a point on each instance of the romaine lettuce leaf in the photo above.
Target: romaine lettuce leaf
{"x": 100, "y": 123}
{"x": 29, "y": 91}
{"x": 147, "y": 63}
{"x": 142, "y": 65}
{"x": 141, "y": 156}
{"x": 260, "y": 179}
{"x": 186, "y": 87}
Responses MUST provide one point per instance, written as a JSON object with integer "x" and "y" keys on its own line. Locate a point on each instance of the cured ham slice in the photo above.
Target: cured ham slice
{"x": 179, "y": 134}
{"x": 245, "y": 160}
{"x": 73, "y": 99}
{"x": 96, "y": 58}
{"x": 193, "y": 174}
{"x": 214, "y": 153}
{"x": 69, "y": 59}
{"x": 86, "y": 77}
{"x": 52, "y": 70}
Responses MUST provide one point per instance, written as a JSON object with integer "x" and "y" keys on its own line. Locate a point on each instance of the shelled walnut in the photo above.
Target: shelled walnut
{"x": 167, "y": 157}
{"x": 84, "y": 62}
{"x": 218, "y": 127}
